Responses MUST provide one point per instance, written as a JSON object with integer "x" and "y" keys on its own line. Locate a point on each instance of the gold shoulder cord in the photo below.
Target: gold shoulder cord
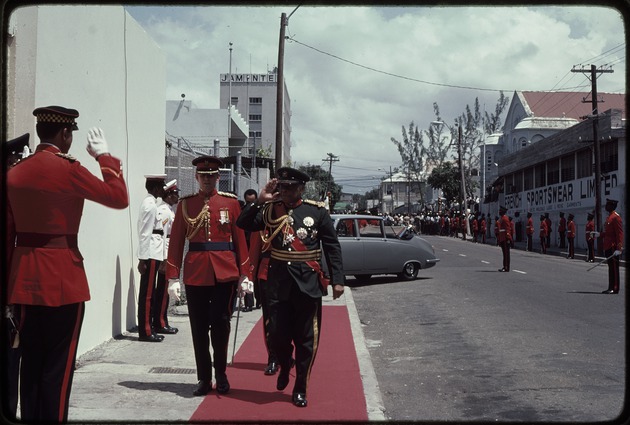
{"x": 194, "y": 224}
{"x": 275, "y": 225}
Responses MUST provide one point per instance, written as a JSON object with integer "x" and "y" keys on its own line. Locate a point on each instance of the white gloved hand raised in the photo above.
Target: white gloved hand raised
{"x": 25, "y": 152}
{"x": 97, "y": 145}
{"x": 617, "y": 253}
{"x": 174, "y": 289}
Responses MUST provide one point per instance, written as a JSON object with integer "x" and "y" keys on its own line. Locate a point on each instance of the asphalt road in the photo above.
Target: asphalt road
{"x": 467, "y": 343}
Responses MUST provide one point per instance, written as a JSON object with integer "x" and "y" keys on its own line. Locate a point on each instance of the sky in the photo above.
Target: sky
{"x": 357, "y": 75}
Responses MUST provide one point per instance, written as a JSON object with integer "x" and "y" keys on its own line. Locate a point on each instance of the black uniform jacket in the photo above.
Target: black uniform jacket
{"x": 311, "y": 225}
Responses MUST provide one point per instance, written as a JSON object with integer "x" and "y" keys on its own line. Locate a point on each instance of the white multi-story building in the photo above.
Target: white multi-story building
{"x": 255, "y": 96}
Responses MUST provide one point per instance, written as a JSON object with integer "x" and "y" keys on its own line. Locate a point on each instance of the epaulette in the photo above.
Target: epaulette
{"x": 181, "y": 198}
{"x": 66, "y": 156}
{"x": 317, "y": 204}
{"x": 229, "y": 195}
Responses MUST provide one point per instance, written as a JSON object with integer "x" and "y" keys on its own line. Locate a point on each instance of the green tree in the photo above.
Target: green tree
{"x": 446, "y": 177}
{"x": 412, "y": 152}
{"x": 321, "y": 180}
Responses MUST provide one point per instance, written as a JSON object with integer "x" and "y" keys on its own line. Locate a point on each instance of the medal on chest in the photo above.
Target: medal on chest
{"x": 287, "y": 232}
{"x": 224, "y": 216}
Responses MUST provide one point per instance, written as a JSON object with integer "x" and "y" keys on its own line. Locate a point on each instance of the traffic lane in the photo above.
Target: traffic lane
{"x": 466, "y": 342}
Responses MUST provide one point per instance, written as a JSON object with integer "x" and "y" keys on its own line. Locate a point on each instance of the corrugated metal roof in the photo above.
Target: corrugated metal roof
{"x": 570, "y": 104}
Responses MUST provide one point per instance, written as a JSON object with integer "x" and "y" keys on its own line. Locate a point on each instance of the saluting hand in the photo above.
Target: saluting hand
{"x": 97, "y": 145}
{"x": 269, "y": 192}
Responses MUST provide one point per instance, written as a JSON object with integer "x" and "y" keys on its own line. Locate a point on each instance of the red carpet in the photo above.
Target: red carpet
{"x": 335, "y": 390}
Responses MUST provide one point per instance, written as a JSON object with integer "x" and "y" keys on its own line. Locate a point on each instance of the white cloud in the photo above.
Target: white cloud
{"x": 353, "y": 111}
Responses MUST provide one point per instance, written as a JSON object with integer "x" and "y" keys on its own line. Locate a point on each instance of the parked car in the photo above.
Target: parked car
{"x": 370, "y": 247}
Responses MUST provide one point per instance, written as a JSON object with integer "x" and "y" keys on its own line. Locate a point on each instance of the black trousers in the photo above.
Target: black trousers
{"x": 543, "y": 244}
{"x": 146, "y": 298}
{"x": 296, "y": 321}
{"x": 529, "y": 242}
{"x": 591, "y": 250}
{"x": 562, "y": 243}
{"x": 505, "y": 249}
{"x": 209, "y": 312}
{"x": 571, "y": 247}
{"x": 613, "y": 271}
{"x": 159, "y": 310}
{"x": 11, "y": 370}
{"x": 263, "y": 298}
{"x": 49, "y": 338}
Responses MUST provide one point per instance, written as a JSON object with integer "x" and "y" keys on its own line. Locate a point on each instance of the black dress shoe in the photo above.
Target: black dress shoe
{"x": 167, "y": 330}
{"x": 203, "y": 388}
{"x": 299, "y": 399}
{"x": 503, "y": 270}
{"x": 271, "y": 369}
{"x": 223, "y": 386}
{"x": 150, "y": 338}
{"x": 609, "y": 291}
{"x": 283, "y": 378}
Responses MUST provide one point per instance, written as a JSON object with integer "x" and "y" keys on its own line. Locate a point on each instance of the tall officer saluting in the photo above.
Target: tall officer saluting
{"x": 217, "y": 257}
{"x": 47, "y": 282}
{"x": 295, "y": 230}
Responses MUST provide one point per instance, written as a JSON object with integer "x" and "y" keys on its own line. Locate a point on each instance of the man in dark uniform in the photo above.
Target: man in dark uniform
{"x": 216, "y": 261}
{"x": 613, "y": 245}
{"x": 47, "y": 281}
{"x": 295, "y": 230}
{"x": 505, "y": 238}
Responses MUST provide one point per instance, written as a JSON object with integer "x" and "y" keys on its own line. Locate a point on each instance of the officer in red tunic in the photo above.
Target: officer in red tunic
{"x": 613, "y": 245}
{"x": 505, "y": 238}
{"x": 483, "y": 228}
{"x": 475, "y": 229}
{"x": 571, "y": 231}
{"x": 529, "y": 231}
{"x": 562, "y": 230}
{"x": 590, "y": 239}
{"x": 47, "y": 281}
{"x": 297, "y": 231}
{"x": 544, "y": 232}
{"x": 217, "y": 259}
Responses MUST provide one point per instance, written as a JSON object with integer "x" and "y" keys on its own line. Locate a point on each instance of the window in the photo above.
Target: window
{"x": 255, "y": 134}
{"x": 255, "y": 100}
{"x": 553, "y": 171}
{"x": 609, "y": 157}
{"x": 255, "y": 117}
{"x": 234, "y": 101}
{"x": 539, "y": 175}
{"x": 528, "y": 178}
{"x": 584, "y": 164}
{"x": 345, "y": 228}
{"x": 567, "y": 163}
{"x": 518, "y": 182}
{"x": 370, "y": 228}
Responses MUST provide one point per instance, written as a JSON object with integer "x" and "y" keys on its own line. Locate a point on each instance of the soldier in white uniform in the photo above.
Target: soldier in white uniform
{"x": 150, "y": 254}
{"x": 166, "y": 215}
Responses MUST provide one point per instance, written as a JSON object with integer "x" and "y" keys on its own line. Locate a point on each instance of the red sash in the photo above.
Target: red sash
{"x": 298, "y": 245}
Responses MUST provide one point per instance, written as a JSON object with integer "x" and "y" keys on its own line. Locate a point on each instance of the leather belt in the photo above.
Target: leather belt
{"x": 45, "y": 240}
{"x": 210, "y": 246}
{"x": 158, "y": 232}
{"x": 278, "y": 254}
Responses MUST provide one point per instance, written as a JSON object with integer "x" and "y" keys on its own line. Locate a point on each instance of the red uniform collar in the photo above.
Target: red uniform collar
{"x": 48, "y": 147}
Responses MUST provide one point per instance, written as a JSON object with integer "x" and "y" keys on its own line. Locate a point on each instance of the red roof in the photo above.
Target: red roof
{"x": 570, "y": 104}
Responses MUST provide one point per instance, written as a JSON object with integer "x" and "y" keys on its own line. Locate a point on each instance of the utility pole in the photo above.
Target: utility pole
{"x": 331, "y": 158}
{"x": 598, "y": 169}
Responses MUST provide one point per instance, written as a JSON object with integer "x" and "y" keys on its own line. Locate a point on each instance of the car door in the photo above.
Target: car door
{"x": 375, "y": 246}
{"x": 351, "y": 246}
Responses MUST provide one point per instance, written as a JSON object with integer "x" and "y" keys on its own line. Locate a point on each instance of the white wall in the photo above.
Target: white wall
{"x": 98, "y": 60}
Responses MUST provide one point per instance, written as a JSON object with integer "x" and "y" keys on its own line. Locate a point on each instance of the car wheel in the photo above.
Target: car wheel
{"x": 410, "y": 271}
{"x": 362, "y": 277}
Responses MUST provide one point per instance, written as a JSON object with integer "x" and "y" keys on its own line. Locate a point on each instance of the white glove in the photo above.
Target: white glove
{"x": 174, "y": 289}
{"x": 97, "y": 145}
{"x": 25, "y": 152}
{"x": 595, "y": 234}
{"x": 617, "y": 253}
{"x": 246, "y": 285}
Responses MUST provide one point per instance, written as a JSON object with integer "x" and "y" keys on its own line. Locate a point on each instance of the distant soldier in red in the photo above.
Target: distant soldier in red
{"x": 505, "y": 238}
{"x": 570, "y": 226}
{"x": 496, "y": 229}
{"x": 549, "y": 230}
{"x": 562, "y": 229}
{"x": 613, "y": 245}
{"x": 455, "y": 226}
{"x": 529, "y": 231}
{"x": 475, "y": 229}
{"x": 463, "y": 221}
{"x": 483, "y": 228}
{"x": 590, "y": 239}
{"x": 217, "y": 259}
{"x": 543, "y": 234}
{"x": 47, "y": 282}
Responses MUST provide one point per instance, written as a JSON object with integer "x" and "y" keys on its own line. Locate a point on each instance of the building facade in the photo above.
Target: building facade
{"x": 255, "y": 97}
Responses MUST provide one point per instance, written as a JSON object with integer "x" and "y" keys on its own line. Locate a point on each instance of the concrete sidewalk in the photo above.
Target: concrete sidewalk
{"x": 127, "y": 380}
